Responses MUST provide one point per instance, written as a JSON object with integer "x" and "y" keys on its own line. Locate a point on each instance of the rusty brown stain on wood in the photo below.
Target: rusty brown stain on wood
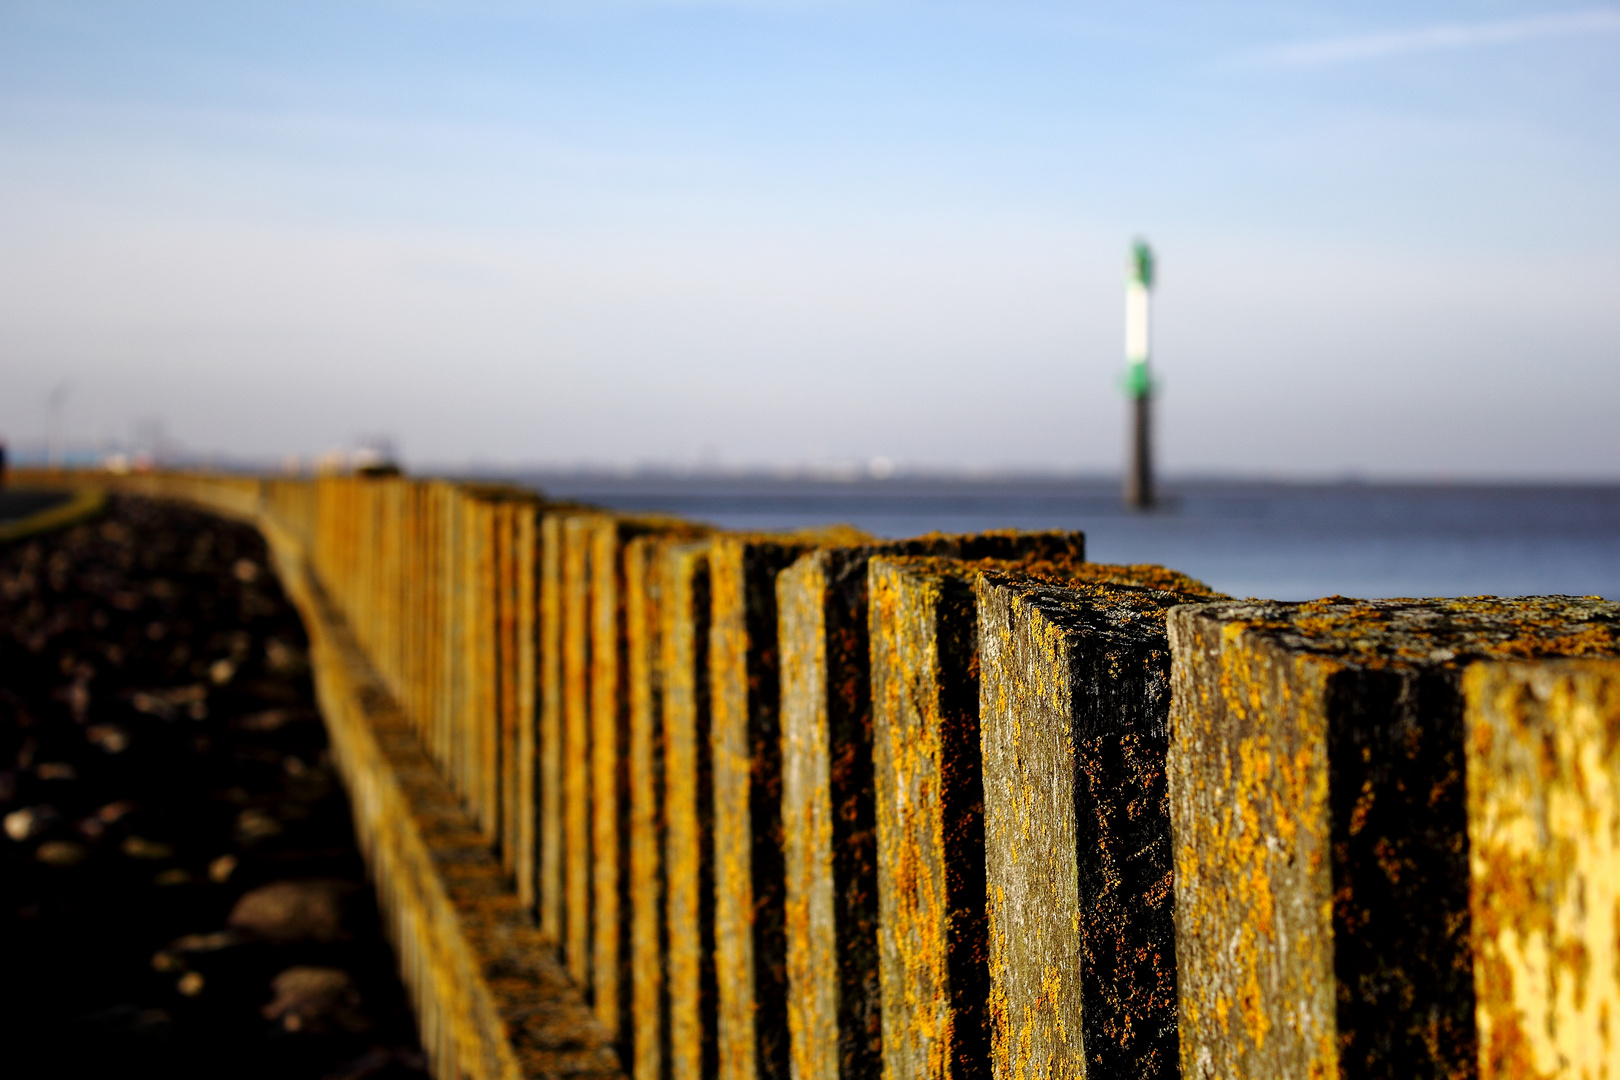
{"x": 1074, "y": 711}
{"x": 1544, "y": 853}
{"x": 1317, "y": 784}
{"x": 829, "y": 827}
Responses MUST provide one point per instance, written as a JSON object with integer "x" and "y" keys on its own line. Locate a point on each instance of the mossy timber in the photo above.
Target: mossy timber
{"x": 609, "y": 772}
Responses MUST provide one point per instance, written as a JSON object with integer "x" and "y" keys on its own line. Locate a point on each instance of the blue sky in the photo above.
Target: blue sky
{"x": 758, "y": 233}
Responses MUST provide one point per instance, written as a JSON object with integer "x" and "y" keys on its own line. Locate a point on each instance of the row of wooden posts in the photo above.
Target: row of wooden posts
{"x": 818, "y": 805}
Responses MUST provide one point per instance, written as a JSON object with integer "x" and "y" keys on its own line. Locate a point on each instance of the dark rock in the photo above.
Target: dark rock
{"x": 283, "y": 912}
{"x": 316, "y": 1000}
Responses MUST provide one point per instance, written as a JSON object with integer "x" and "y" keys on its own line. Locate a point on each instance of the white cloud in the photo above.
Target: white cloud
{"x": 1444, "y": 37}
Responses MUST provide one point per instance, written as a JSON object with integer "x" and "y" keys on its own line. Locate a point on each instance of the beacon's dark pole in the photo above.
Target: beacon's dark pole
{"x": 1138, "y": 381}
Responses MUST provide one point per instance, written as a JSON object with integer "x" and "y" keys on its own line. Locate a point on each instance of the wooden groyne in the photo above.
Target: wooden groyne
{"x": 641, "y": 796}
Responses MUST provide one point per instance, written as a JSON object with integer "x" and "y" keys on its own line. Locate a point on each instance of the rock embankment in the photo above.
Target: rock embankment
{"x": 180, "y": 891}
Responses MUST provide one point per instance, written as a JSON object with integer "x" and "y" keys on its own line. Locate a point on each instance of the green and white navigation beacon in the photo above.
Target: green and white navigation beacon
{"x": 1138, "y": 379}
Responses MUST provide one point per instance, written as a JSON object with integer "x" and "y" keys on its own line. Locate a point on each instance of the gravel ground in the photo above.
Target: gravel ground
{"x": 180, "y": 891}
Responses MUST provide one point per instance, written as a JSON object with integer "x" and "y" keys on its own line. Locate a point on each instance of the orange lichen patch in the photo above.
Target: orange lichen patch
{"x": 644, "y": 780}
{"x": 807, "y": 821}
{"x": 1318, "y": 780}
{"x": 745, "y": 740}
{"x": 1544, "y": 850}
{"x": 1381, "y": 633}
{"x": 925, "y": 719}
{"x": 613, "y": 836}
{"x": 1253, "y": 927}
{"x": 688, "y": 802}
{"x": 548, "y": 798}
{"x": 828, "y": 805}
{"x": 1073, "y": 706}
{"x": 578, "y": 531}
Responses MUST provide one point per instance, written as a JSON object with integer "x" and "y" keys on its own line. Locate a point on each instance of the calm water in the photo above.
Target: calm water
{"x": 1276, "y": 540}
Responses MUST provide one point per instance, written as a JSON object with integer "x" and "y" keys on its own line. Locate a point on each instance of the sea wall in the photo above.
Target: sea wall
{"x": 642, "y": 796}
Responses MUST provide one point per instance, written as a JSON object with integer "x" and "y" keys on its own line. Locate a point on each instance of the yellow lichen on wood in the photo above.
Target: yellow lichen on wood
{"x": 933, "y": 974}
{"x": 1253, "y": 916}
{"x": 688, "y": 843}
{"x": 1073, "y": 712}
{"x": 1320, "y": 773}
{"x": 547, "y": 890}
{"x": 812, "y": 964}
{"x": 1029, "y": 831}
{"x": 643, "y": 587}
{"x": 1544, "y": 854}
{"x": 607, "y": 750}
{"x": 575, "y": 781}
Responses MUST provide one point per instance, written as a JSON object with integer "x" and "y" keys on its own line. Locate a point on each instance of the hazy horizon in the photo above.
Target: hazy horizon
{"x": 742, "y": 233}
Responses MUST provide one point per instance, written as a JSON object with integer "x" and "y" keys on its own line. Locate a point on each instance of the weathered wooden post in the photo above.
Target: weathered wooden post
{"x": 1320, "y": 773}
{"x": 943, "y": 1015}
{"x": 930, "y": 820}
{"x": 1544, "y": 856}
{"x": 746, "y": 738}
{"x": 613, "y": 805}
{"x": 829, "y": 828}
{"x": 645, "y": 596}
{"x": 684, "y": 622}
{"x": 1074, "y": 706}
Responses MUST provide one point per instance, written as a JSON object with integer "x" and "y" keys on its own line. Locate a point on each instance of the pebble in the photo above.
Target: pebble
{"x": 283, "y": 912}
{"x": 31, "y": 821}
{"x": 115, "y": 811}
{"x": 61, "y": 853}
{"x": 139, "y": 847}
{"x": 254, "y": 825}
{"x": 212, "y": 941}
{"x": 109, "y": 737}
{"x": 316, "y": 1000}
{"x": 88, "y": 694}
